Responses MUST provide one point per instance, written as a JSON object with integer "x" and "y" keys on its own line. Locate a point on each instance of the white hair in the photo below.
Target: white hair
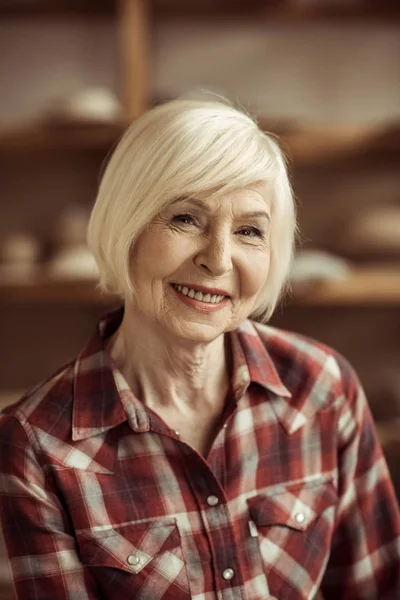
{"x": 181, "y": 148}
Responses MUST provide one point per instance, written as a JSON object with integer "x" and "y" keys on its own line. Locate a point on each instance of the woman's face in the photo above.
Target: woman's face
{"x": 198, "y": 267}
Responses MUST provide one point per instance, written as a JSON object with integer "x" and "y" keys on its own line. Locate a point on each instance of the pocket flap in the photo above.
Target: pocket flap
{"x": 295, "y": 506}
{"x": 130, "y": 547}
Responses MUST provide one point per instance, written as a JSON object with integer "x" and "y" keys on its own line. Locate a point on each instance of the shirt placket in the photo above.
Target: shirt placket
{"x": 217, "y": 523}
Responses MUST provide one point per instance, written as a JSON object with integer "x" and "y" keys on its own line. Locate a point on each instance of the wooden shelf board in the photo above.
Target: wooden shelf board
{"x": 366, "y": 12}
{"x": 335, "y": 144}
{"x": 364, "y": 287}
{"x": 303, "y": 147}
{"x": 370, "y": 11}
{"x": 284, "y": 11}
{"x": 46, "y": 138}
{"x": 371, "y": 287}
{"x": 56, "y": 8}
{"x": 43, "y": 289}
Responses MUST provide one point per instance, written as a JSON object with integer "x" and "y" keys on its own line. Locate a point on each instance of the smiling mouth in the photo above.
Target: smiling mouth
{"x": 200, "y": 296}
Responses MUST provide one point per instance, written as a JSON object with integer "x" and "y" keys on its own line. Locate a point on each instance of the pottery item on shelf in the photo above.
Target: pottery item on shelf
{"x": 20, "y": 253}
{"x": 95, "y": 105}
{"x": 70, "y": 229}
{"x": 311, "y": 266}
{"x": 375, "y": 231}
{"x": 72, "y": 258}
{"x": 73, "y": 263}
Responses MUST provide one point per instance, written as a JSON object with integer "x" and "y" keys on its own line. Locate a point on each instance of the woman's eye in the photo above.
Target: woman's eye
{"x": 251, "y": 232}
{"x": 184, "y": 219}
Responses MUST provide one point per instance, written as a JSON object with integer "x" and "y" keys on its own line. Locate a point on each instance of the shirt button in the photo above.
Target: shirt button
{"x": 228, "y": 574}
{"x": 133, "y": 560}
{"x": 300, "y": 518}
{"x": 212, "y": 500}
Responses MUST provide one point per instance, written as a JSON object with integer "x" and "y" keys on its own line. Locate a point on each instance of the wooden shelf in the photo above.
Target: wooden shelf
{"x": 314, "y": 146}
{"x": 207, "y": 9}
{"x": 369, "y": 287}
{"x": 270, "y": 10}
{"x": 46, "y": 290}
{"x": 364, "y": 287}
{"x": 288, "y": 11}
{"x": 52, "y": 8}
{"x": 336, "y": 144}
{"x": 35, "y": 138}
{"x": 366, "y": 11}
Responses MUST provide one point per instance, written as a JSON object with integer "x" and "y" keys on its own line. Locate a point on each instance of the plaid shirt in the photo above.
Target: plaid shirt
{"x": 101, "y": 499}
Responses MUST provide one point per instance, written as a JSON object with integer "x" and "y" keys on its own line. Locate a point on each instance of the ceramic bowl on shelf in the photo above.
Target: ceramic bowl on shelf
{"x": 311, "y": 266}
{"x": 20, "y": 253}
{"x": 91, "y": 106}
{"x": 373, "y": 232}
{"x": 73, "y": 263}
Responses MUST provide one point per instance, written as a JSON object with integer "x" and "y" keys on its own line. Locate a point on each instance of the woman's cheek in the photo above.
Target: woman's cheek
{"x": 256, "y": 274}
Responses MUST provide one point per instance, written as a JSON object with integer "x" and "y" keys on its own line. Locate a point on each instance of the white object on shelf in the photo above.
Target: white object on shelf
{"x": 91, "y": 105}
{"x": 316, "y": 265}
{"x": 19, "y": 254}
{"x": 75, "y": 262}
{"x": 72, "y": 258}
{"x": 376, "y": 229}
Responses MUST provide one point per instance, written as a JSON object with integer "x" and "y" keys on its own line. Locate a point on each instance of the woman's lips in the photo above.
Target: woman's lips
{"x": 199, "y": 304}
{"x": 204, "y": 289}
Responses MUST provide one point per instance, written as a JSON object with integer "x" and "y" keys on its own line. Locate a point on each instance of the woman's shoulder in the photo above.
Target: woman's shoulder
{"x": 304, "y": 361}
{"x": 292, "y": 343}
{"x": 43, "y": 405}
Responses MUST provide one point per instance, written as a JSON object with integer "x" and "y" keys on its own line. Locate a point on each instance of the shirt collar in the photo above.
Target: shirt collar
{"x": 97, "y": 402}
{"x": 253, "y": 364}
{"x": 102, "y": 399}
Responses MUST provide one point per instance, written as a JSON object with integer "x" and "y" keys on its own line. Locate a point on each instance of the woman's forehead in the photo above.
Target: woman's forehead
{"x": 240, "y": 202}
{"x": 259, "y": 192}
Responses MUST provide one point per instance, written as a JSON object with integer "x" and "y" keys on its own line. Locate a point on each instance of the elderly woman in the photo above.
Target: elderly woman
{"x": 190, "y": 452}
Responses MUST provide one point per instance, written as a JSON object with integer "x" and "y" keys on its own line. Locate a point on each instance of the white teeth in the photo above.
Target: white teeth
{"x": 208, "y": 298}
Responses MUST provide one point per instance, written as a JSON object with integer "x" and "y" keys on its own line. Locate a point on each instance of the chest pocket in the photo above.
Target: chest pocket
{"x": 295, "y": 506}
{"x": 141, "y": 560}
{"x": 294, "y": 529}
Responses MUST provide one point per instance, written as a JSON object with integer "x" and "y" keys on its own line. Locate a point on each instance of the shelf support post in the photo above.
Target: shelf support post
{"x": 134, "y": 49}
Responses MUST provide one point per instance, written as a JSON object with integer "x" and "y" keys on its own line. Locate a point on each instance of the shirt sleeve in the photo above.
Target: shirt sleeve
{"x": 39, "y": 539}
{"x": 364, "y": 562}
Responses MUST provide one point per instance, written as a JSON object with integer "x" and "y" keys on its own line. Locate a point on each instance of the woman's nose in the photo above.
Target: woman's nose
{"x": 216, "y": 255}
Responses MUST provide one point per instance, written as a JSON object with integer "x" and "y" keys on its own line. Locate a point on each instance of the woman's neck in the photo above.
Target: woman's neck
{"x": 169, "y": 372}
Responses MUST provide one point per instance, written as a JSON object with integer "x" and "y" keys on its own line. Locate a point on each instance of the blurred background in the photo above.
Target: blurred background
{"x": 324, "y": 75}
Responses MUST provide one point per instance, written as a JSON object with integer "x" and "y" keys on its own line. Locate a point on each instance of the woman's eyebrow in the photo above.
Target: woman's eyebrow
{"x": 200, "y": 204}
{"x": 190, "y": 200}
{"x": 255, "y": 214}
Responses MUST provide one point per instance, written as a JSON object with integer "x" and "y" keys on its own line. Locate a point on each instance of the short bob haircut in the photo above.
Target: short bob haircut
{"x": 181, "y": 148}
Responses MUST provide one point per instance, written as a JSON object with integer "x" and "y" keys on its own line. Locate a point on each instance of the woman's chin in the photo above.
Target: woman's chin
{"x": 197, "y": 332}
